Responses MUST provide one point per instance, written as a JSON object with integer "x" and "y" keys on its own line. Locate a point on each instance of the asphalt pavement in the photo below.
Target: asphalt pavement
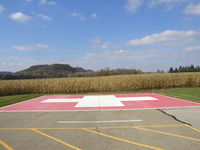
{"x": 99, "y": 130}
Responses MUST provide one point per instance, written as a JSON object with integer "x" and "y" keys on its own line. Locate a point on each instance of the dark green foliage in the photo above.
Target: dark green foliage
{"x": 108, "y": 72}
{"x": 171, "y": 70}
{"x": 190, "y": 68}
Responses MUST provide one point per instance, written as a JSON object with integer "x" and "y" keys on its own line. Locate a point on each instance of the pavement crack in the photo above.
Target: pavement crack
{"x": 173, "y": 117}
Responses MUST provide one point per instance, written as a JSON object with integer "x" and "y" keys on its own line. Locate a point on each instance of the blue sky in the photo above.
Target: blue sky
{"x": 95, "y": 34}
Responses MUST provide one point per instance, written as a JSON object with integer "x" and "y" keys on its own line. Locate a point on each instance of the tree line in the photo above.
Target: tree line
{"x": 102, "y": 72}
{"x": 190, "y": 68}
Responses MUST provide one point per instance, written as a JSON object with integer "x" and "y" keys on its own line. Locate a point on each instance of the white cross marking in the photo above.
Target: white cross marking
{"x": 99, "y": 101}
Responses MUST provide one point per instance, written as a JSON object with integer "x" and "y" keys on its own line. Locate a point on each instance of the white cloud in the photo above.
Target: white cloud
{"x": 45, "y": 17}
{"x": 41, "y": 45}
{"x": 78, "y": 15}
{"x": 123, "y": 54}
{"x": 106, "y": 54}
{"x": 94, "y": 15}
{"x": 105, "y": 45}
{"x": 147, "y": 60}
{"x": 98, "y": 43}
{"x": 1, "y": 8}
{"x": 30, "y": 47}
{"x": 193, "y": 9}
{"x": 153, "y": 3}
{"x": 46, "y": 2}
{"x": 169, "y": 37}
{"x": 132, "y": 5}
{"x": 169, "y": 4}
{"x": 20, "y": 17}
{"x": 29, "y": 0}
{"x": 97, "y": 40}
{"x": 23, "y": 48}
{"x": 120, "y": 52}
{"x": 190, "y": 49}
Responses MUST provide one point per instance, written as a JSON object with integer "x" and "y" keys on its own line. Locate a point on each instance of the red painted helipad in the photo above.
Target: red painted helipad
{"x": 98, "y": 102}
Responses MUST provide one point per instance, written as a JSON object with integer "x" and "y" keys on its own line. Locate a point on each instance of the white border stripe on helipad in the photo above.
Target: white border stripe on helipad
{"x": 175, "y": 98}
{"x": 22, "y": 101}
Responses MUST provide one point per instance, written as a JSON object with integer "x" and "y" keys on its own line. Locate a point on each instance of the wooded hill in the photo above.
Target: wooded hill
{"x": 63, "y": 70}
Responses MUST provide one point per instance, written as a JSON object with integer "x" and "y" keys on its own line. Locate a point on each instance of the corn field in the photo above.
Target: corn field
{"x": 100, "y": 84}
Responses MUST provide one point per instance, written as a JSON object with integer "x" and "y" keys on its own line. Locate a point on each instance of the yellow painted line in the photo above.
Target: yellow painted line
{"x": 44, "y": 128}
{"x": 123, "y": 140}
{"x": 15, "y": 128}
{"x": 173, "y": 125}
{"x": 117, "y": 127}
{"x": 192, "y": 128}
{"x": 55, "y": 139}
{"x": 6, "y": 146}
{"x": 170, "y": 134}
{"x": 62, "y": 128}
